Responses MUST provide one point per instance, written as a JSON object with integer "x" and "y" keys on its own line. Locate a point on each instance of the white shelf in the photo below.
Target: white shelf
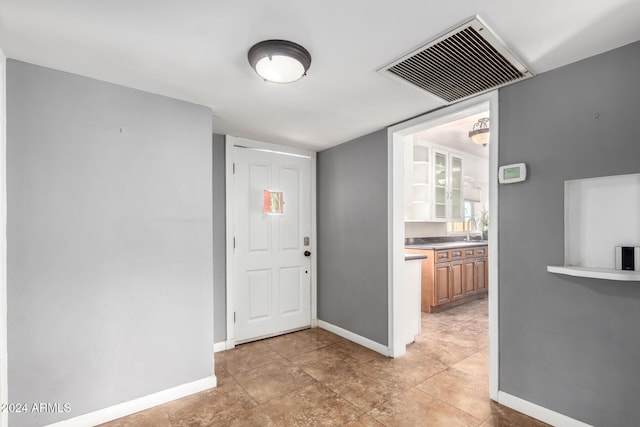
{"x": 595, "y": 273}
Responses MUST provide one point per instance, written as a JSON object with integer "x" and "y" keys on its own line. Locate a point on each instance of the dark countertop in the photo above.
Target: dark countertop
{"x": 448, "y": 245}
{"x": 411, "y": 257}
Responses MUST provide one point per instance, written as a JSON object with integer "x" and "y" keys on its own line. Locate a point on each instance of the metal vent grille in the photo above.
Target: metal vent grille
{"x": 464, "y": 62}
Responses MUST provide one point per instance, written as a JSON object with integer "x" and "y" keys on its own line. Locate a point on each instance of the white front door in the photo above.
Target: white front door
{"x": 272, "y": 277}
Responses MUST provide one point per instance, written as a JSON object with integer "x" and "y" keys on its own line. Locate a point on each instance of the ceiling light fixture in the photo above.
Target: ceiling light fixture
{"x": 480, "y": 132}
{"x": 279, "y": 61}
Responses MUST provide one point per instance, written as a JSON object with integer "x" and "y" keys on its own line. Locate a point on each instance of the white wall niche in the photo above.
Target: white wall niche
{"x": 600, "y": 214}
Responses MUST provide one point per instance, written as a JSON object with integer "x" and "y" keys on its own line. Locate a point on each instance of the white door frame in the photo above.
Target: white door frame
{"x": 230, "y": 143}
{"x": 4, "y": 384}
{"x": 396, "y": 223}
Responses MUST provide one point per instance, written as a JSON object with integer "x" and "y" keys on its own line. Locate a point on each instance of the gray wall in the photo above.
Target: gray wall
{"x": 110, "y": 292}
{"x": 568, "y": 344}
{"x": 352, "y": 236}
{"x": 219, "y": 243}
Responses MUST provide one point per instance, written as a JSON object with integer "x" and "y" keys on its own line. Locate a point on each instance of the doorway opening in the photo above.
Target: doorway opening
{"x": 440, "y": 183}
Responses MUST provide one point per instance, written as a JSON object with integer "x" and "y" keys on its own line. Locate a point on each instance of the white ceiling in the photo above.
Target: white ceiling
{"x": 195, "y": 50}
{"x": 455, "y": 135}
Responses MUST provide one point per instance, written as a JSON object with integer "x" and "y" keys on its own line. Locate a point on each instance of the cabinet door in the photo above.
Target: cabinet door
{"x": 440, "y": 185}
{"x": 481, "y": 274}
{"x": 418, "y": 182}
{"x": 456, "y": 196}
{"x": 441, "y": 285}
{"x": 469, "y": 277}
{"x": 457, "y": 289}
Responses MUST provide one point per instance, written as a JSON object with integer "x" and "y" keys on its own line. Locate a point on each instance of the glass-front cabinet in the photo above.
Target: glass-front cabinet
{"x": 433, "y": 183}
{"x": 456, "y": 190}
{"x": 440, "y": 178}
{"x": 448, "y": 202}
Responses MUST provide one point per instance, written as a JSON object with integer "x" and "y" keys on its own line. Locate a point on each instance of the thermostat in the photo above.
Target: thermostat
{"x": 509, "y": 174}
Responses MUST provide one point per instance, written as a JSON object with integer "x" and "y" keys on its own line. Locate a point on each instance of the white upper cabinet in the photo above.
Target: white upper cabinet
{"x": 448, "y": 181}
{"x": 433, "y": 184}
{"x": 418, "y": 182}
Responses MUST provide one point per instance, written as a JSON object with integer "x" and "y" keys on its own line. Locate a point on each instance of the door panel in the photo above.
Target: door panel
{"x": 290, "y": 286}
{"x": 481, "y": 274}
{"x": 259, "y": 284}
{"x": 271, "y": 280}
{"x": 442, "y": 284}
{"x": 457, "y": 290}
{"x": 290, "y": 223}
{"x": 468, "y": 276}
{"x": 259, "y": 230}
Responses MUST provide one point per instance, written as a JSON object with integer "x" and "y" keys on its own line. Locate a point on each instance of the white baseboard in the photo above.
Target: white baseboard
{"x": 224, "y": 345}
{"x": 136, "y": 405}
{"x": 358, "y": 339}
{"x": 539, "y": 412}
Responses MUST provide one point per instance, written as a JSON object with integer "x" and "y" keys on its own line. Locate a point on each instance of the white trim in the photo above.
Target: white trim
{"x": 595, "y": 273}
{"x": 4, "y": 368}
{"x": 397, "y": 344}
{"x": 494, "y": 312}
{"x": 396, "y": 223}
{"x": 358, "y": 339}
{"x": 314, "y": 242}
{"x": 223, "y": 345}
{"x": 230, "y": 142}
{"x": 229, "y": 201}
{"x": 539, "y": 412}
{"x": 140, "y": 404}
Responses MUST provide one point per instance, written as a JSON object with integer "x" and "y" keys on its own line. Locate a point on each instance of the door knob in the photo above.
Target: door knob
{"x": 307, "y": 253}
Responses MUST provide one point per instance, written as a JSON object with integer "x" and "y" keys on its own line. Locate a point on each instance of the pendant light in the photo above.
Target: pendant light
{"x": 480, "y": 132}
{"x": 279, "y": 61}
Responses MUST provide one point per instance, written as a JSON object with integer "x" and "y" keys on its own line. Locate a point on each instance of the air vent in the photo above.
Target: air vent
{"x": 464, "y": 62}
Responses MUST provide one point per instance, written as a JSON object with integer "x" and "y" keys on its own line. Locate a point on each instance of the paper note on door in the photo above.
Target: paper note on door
{"x": 273, "y": 202}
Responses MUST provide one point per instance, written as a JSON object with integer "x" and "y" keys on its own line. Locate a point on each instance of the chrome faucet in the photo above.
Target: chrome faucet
{"x": 475, "y": 228}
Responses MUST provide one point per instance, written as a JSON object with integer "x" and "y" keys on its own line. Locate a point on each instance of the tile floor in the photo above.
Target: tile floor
{"x": 316, "y": 378}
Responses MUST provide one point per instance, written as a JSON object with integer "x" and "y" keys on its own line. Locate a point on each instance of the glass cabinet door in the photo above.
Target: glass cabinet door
{"x": 440, "y": 185}
{"x": 456, "y": 194}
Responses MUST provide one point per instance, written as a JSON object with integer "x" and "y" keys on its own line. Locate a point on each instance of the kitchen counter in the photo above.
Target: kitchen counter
{"x": 448, "y": 245}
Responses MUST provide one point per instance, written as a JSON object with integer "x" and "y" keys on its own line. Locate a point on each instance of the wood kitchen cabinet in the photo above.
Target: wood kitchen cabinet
{"x": 469, "y": 276}
{"x": 452, "y": 276}
{"x": 481, "y": 274}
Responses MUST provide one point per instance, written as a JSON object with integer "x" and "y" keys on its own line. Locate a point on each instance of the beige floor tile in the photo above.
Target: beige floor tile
{"x": 443, "y": 349}
{"x": 476, "y": 365}
{"x": 506, "y": 417}
{"x": 273, "y": 380}
{"x": 215, "y": 406}
{"x": 364, "y": 421}
{"x": 461, "y": 390}
{"x": 323, "y": 362}
{"x": 362, "y": 354}
{"x": 354, "y": 385}
{"x": 416, "y": 408}
{"x": 314, "y": 377}
{"x": 314, "y": 405}
{"x": 290, "y": 345}
{"x": 150, "y": 418}
{"x": 255, "y": 417}
{"x": 246, "y": 357}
